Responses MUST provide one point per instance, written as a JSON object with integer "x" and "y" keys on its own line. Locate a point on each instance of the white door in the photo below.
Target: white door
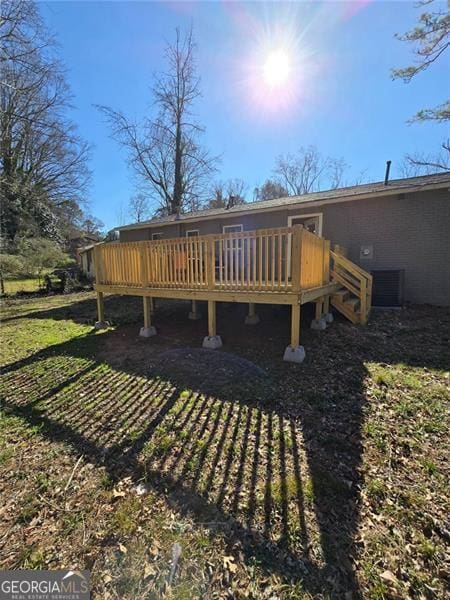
{"x": 312, "y": 223}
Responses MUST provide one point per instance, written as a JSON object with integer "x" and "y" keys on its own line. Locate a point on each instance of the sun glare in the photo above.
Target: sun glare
{"x": 276, "y": 68}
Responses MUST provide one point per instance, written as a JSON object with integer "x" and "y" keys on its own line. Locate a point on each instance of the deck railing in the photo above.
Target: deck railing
{"x": 314, "y": 260}
{"x": 282, "y": 259}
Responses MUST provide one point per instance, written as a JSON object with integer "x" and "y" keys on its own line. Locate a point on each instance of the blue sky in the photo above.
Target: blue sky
{"x": 341, "y": 99}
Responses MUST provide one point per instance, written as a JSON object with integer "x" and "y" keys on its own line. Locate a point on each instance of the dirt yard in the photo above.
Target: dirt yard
{"x": 322, "y": 480}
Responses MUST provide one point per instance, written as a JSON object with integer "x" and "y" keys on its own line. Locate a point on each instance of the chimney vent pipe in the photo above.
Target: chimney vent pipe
{"x": 388, "y": 168}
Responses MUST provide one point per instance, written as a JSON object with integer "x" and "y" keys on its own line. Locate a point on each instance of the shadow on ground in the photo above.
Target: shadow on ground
{"x": 267, "y": 453}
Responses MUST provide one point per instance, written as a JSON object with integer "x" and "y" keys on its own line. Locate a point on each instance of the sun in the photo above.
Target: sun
{"x": 276, "y": 68}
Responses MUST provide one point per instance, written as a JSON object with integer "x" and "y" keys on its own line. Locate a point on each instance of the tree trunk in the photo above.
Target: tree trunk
{"x": 177, "y": 187}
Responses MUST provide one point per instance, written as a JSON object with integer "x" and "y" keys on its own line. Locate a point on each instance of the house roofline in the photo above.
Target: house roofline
{"x": 86, "y": 248}
{"x": 288, "y": 206}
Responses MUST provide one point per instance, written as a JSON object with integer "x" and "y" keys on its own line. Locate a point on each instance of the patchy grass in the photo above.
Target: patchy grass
{"x": 13, "y": 286}
{"x": 324, "y": 480}
{"x": 25, "y": 284}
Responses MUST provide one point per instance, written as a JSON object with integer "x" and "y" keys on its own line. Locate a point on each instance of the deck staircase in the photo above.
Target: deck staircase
{"x": 353, "y": 299}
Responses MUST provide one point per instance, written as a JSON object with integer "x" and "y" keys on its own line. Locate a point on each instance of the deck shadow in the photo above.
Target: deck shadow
{"x": 273, "y": 465}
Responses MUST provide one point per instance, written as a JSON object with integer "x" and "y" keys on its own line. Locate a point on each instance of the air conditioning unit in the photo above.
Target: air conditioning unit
{"x": 388, "y": 288}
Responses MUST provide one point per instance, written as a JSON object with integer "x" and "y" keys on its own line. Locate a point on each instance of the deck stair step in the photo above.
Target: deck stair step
{"x": 342, "y": 295}
{"x": 352, "y": 303}
{"x": 347, "y": 304}
{"x": 346, "y": 309}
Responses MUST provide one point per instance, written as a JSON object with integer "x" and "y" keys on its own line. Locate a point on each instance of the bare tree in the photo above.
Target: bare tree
{"x": 308, "y": 171}
{"x": 336, "y": 170}
{"x": 361, "y": 177}
{"x": 236, "y": 190}
{"x": 17, "y": 18}
{"x": 43, "y": 162}
{"x": 139, "y": 208}
{"x": 121, "y": 213}
{"x": 92, "y": 225}
{"x": 227, "y": 194}
{"x": 218, "y": 197}
{"x": 421, "y": 163}
{"x": 164, "y": 151}
{"x": 269, "y": 190}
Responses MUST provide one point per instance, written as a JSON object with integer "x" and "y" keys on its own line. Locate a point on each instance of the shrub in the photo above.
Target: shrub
{"x": 10, "y": 265}
{"x": 39, "y": 254}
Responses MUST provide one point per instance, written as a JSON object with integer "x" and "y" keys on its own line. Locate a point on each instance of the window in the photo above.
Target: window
{"x": 157, "y": 236}
{"x": 192, "y": 233}
{"x": 233, "y": 228}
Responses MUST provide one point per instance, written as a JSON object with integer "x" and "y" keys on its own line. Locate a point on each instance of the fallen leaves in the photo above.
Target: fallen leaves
{"x": 389, "y": 576}
{"x": 229, "y": 564}
{"x": 314, "y": 478}
{"x": 118, "y": 493}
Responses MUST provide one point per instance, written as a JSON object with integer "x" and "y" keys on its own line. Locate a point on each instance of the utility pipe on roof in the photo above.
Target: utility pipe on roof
{"x": 388, "y": 168}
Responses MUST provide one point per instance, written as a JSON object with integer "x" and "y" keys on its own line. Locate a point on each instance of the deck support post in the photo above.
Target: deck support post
{"x": 319, "y": 323}
{"x": 194, "y": 315}
{"x": 148, "y": 330}
{"x": 319, "y": 308}
{"x": 294, "y": 352}
{"x": 212, "y": 340}
{"x": 327, "y": 315}
{"x": 252, "y": 318}
{"x": 101, "y": 323}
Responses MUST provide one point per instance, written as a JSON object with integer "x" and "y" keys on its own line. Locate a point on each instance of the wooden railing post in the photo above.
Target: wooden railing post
{"x": 143, "y": 261}
{"x": 369, "y": 294}
{"x": 326, "y": 262}
{"x": 296, "y": 257}
{"x": 98, "y": 264}
{"x": 363, "y": 300}
{"x": 326, "y": 275}
{"x": 340, "y": 250}
{"x": 211, "y": 264}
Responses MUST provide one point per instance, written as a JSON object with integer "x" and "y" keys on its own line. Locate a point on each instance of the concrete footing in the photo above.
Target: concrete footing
{"x": 319, "y": 324}
{"x": 252, "y": 320}
{"x": 295, "y": 355}
{"x": 329, "y": 317}
{"x": 102, "y": 325}
{"x": 212, "y": 342}
{"x": 147, "y": 331}
{"x": 194, "y": 316}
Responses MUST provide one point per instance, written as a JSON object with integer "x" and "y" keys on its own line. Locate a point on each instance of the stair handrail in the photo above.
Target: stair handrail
{"x": 364, "y": 280}
{"x": 351, "y": 265}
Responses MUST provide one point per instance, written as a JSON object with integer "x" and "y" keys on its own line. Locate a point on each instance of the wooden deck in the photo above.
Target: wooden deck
{"x": 287, "y": 265}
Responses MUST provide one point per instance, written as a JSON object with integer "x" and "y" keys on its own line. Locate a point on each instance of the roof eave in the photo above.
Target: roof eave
{"x": 317, "y": 202}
